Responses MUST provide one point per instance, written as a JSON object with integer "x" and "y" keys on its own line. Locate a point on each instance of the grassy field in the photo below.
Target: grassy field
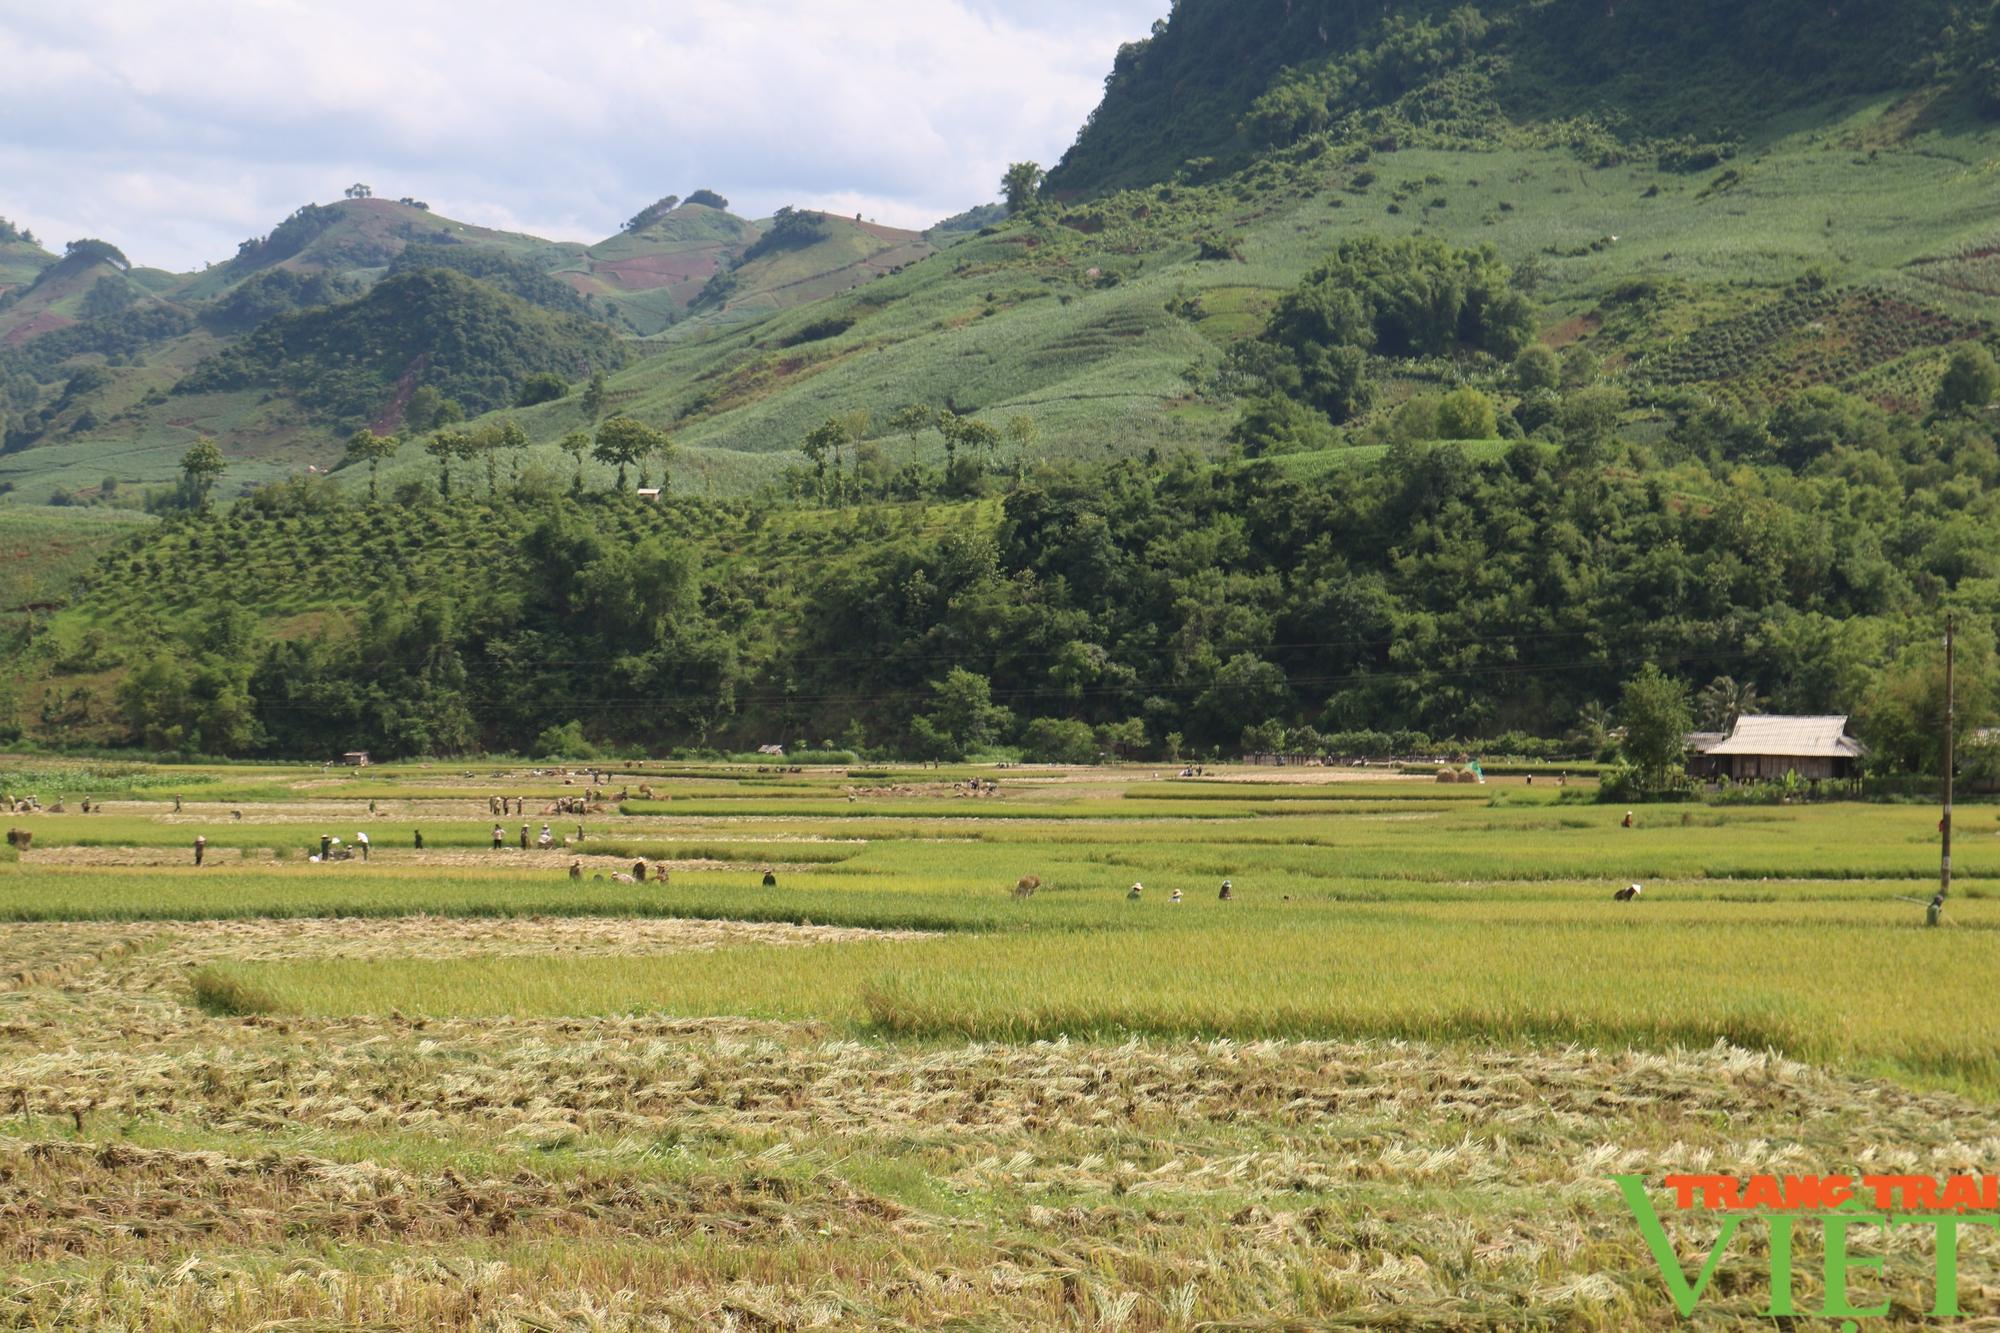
{"x": 1386, "y": 1083}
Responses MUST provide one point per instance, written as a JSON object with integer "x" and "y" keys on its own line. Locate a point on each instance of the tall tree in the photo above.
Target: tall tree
{"x": 1725, "y": 699}
{"x": 1657, "y": 721}
{"x": 576, "y": 444}
{"x": 201, "y": 467}
{"x": 515, "y": 441}
{"x": 365, "y": 446}
{"x": 975, "y": 437}
{"x": 1021, "y": 185}
{"x": 964, "y": 718}
{"x": 444, "y": 446}
{"x": 1022, "y": 432}
{"x": 1590, "y": 734}
{"x": 913, "y": 420}
{"x": 823, "y": 442}
{"x": 594, "y": 394}
{"x": 622, "y": 442}
{"x": 1903, "y": 715}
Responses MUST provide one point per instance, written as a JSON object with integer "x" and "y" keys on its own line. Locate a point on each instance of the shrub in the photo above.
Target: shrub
{"x": 1971, "y": 381}
{"x": 565, "y": 742}
{"x": 1537, "y": 368}
{"x": 1466, "y": 414}
{"x": 1051, "y": 740}
{"x": 543, "y": 387}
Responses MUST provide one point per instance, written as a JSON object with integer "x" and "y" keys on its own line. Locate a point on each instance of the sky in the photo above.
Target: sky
{"x": 177, "y": 129}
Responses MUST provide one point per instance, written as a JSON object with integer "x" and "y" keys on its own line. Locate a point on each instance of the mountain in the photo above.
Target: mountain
{"x": 1226, "y": 80}
{"x": 1411, "y": 372}
{"x": 351, "y": 239}
{"x": 1753, "y": 200}
{"x": 103, "y": 362}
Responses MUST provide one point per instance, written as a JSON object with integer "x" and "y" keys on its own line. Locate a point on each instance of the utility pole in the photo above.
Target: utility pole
{"x": 1950, "y": 725}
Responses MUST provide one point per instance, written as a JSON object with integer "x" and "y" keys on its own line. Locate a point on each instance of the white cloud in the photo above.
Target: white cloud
{"x": 175, "y": 130}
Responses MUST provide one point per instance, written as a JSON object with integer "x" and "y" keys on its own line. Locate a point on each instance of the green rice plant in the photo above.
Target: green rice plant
{"x": 1760, "y": 976}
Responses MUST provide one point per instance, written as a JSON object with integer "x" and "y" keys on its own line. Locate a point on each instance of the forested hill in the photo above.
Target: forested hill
{"x": 1224, "y": 80}
{"x": 467, "y": 340}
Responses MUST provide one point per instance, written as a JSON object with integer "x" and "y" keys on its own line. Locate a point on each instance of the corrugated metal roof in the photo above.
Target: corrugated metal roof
{"x": 1704, "y": 742}
{"x": 1791, "y": 738}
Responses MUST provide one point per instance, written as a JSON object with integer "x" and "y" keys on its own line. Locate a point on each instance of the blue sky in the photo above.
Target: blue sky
{"x": 176, "y": 129}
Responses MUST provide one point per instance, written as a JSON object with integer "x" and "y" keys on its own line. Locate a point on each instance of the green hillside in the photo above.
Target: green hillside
{"x": 802, "y": 258}
{"x": 355, "y": 238}
{"x": 1064, "y": 316}
{"x": 66, "y": 290}
{"x": 46, "y": 554}
{"x": 1663, "y": 189}
{"x": 1714, "y": 307}
{"x": 113, "y": 370}
{"x": 651, "y": 274}
{"x": 21, "y": 258}
{"x": 1227, "y": 80}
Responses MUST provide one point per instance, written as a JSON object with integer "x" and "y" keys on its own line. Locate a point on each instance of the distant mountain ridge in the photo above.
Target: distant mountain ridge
{"x": 90, "y": 345}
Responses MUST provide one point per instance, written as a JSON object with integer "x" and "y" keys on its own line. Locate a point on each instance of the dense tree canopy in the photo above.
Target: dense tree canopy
{"x": 1165, "y": 608}
{"x": 474, "y": 342}
{"x": 1394, "y": 298}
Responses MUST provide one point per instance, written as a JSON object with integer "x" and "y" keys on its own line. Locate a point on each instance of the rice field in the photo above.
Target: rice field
{"x": 1384, "y": 1084}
